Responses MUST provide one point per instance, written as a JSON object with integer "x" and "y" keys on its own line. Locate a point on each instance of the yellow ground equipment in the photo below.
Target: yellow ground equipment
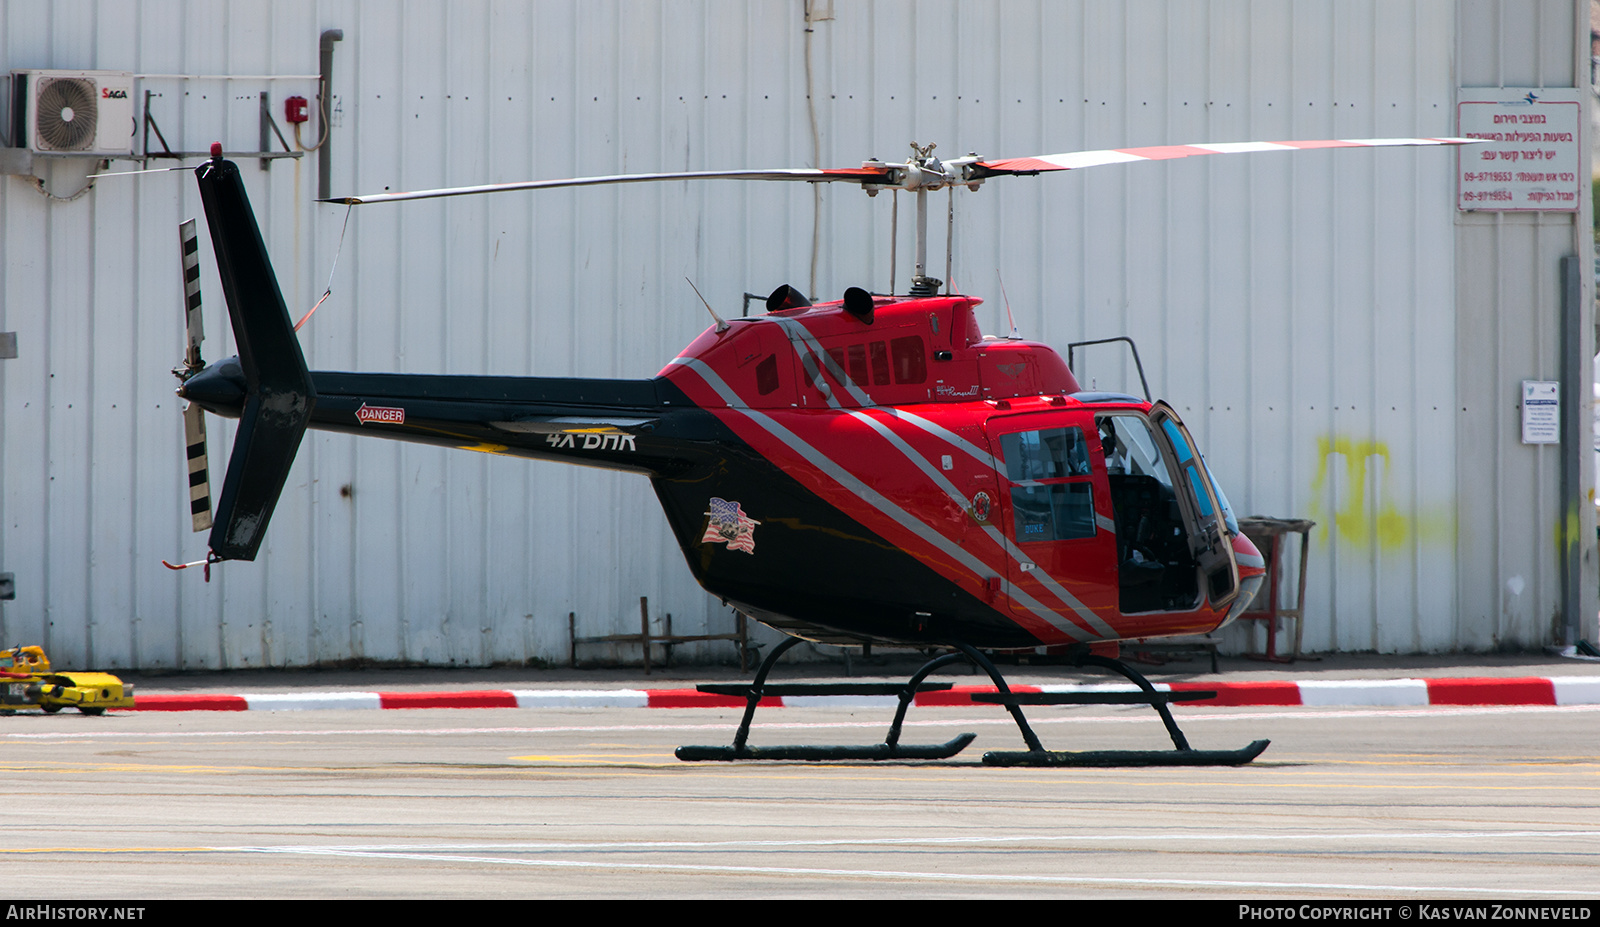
{"x": 29, "y": 683}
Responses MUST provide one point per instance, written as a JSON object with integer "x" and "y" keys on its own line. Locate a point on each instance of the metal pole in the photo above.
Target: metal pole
{"x": 949, "y": 238}
{"x": 1575, "y": 440}
{"x": 265, "y": 144}
{"x": 894, "y": 232}
{"x": 325, "y": 153}
{"x": 644, "y": 631}
{"x": 922, "y": 238}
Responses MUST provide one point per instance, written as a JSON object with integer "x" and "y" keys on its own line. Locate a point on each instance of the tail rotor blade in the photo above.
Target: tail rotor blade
{"x": 190, "y": 242}
{"x": 194, "y": 417}
{"x": 194, "y": 439}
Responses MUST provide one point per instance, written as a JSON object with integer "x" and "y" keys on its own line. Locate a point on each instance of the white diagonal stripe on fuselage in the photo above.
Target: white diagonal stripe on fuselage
{"x": 944, "y": 434}
{"x": 804, "y": 341}
{"x": 866, "y": 493}
{"x": 995, "y": 534}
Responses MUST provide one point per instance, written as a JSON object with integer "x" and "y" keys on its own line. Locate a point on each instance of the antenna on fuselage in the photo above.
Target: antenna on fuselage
{"x": 1015, "y": 335}
{"x": 721, "y": 325}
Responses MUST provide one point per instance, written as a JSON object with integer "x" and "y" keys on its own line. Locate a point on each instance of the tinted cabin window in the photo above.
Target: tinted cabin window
{"x": 1045, "y": 506}
{"x": 767, "y": 375}
{"x": 1059, "y": 512}
{"x": 1054, "y": 453}
{"x": 858, "y": 363}
{"x": 880, "y": 363}
{"x": 910, "y": 359}
{"x": 837, "y": 356}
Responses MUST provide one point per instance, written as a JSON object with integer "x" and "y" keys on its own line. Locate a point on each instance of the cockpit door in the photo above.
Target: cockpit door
{"x": 1051, "y": 510}
{"x": 1210, "y": 543}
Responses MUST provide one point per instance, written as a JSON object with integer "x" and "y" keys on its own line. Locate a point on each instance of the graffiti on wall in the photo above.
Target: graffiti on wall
{"x": 1354, "y": 502}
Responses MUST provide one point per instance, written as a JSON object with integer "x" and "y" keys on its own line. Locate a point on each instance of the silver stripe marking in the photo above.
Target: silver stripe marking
{"x": 807, "y": 364}
{"x": 804, "y": 342}
{"x": 1005, "y": 543}
{"x": 939, "y": 431}
{"x": 861, "y": 490}
{"x": 1000, "y": 540}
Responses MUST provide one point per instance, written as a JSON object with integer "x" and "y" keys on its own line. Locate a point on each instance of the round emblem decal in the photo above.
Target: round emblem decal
{"x": 980, "y": 506}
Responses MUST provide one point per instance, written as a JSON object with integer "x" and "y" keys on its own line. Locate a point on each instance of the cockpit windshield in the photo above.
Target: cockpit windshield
{"x": 1129, "y": 449}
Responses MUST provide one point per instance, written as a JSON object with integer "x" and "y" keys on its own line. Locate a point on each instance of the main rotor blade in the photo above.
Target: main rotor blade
{"x": 805, "y": 174}
{"x": 1072, "y": 160}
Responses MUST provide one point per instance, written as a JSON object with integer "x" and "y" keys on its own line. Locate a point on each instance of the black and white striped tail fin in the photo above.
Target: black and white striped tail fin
{"x": 194, "y": 417}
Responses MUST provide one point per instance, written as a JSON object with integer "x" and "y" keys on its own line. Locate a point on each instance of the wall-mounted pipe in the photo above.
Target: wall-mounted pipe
{"x": 324, "y": 159}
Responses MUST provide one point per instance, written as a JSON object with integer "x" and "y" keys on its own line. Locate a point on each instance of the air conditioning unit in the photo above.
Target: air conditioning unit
{"x": 73, "y": 112}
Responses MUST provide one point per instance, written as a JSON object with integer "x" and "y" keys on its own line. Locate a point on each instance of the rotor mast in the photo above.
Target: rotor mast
{"x": 924, "y": 174}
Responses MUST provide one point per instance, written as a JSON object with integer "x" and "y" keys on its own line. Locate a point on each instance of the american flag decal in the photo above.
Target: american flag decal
{"x": 730, "y": 525}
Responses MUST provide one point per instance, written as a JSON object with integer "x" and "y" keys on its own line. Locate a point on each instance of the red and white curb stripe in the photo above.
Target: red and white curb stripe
{"x": 1529, "y": 690}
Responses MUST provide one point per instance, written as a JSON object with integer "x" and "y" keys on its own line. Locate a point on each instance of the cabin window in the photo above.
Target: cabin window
{"x": 1187, "y": 464}
{"x": 1049, "y": 511}
{"x": 1050, "y": 454}
{"x": 880, "y": 363}
{"x": 837, "y": 367}
{"x": 767, "y": 375}
{"x": 858, "y": 363}
{"x": 1054, "y": 512}
{"x": 910, "y": 359}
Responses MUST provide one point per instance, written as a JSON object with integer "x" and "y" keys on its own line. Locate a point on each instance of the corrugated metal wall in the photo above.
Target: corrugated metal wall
{"x": 1510, "y": 329}
{"x": 1295, "y": 309}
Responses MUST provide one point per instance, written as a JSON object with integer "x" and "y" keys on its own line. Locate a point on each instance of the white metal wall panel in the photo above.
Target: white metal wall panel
{"x": 1508, "y": 263}
{"x": 1295, "y": 308}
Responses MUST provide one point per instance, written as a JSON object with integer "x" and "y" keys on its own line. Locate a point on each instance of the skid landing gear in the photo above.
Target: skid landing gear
{"x": 1035, "y": 755}
{"x": 890, "y": 749}
{"x": 1181, "y": 754}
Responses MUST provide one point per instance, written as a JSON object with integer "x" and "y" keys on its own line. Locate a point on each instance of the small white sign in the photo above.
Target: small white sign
{"x": 1530, "y": 158}
{"x": 1541, "y": 412}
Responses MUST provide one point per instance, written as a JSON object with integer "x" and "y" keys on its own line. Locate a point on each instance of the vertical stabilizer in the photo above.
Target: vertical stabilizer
{"x": 279, "y": 395}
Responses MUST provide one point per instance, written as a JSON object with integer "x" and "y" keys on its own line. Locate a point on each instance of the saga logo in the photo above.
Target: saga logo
{"x": 113, "y": 93}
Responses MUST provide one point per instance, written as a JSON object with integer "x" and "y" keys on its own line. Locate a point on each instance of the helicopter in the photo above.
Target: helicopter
{"x": 870, "y": 469}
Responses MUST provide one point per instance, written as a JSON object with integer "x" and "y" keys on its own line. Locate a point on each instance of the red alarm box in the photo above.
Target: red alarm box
{"x": 294, "y": 109}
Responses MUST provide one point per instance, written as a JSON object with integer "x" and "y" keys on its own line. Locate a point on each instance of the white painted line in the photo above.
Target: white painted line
{"x": 1318, "y": 693}
{"x": 1576, "y": 690}
{"x": 581, "y": 698}
{"x": 1195, "y": 716}
{"x": 1096, "y": 840}
{"x": 303, "y": 701}
{"x": 893, "y": 876}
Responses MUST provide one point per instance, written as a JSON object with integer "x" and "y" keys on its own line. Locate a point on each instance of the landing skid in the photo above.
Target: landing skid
{"x": 1036, "y": 755}
{"x": 890, "y": 749}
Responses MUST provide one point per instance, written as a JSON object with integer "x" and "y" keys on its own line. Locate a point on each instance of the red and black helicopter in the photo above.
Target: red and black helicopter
{"x": 955, "y": 489}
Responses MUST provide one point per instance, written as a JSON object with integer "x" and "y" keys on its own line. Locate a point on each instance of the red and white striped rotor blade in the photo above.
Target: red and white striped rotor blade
{"x": 1072, "y": 160}
{"x": 859, "y": 175}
